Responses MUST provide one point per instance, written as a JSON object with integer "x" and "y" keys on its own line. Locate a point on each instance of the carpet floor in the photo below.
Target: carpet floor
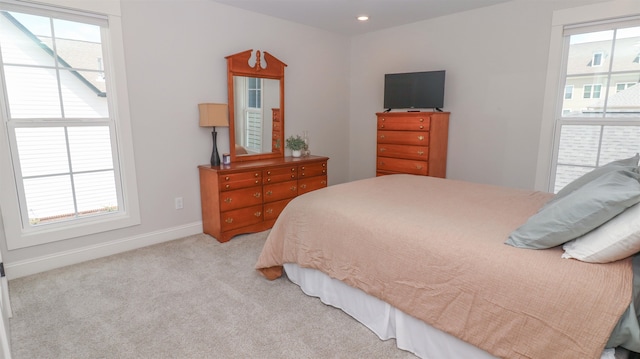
{"x": 188, "y": 298}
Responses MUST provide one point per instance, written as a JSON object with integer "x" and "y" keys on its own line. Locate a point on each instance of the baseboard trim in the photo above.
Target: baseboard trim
{"x": 63, "y": 259}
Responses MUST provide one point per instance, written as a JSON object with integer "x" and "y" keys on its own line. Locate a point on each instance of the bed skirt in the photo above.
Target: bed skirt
{"x": 388, "y": 322}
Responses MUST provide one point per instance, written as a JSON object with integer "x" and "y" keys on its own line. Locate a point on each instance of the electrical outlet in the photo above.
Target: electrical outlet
{"x": 179, "y": 203}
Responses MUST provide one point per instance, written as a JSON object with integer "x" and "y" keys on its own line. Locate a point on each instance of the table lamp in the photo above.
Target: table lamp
{"x": 212, "y": 115}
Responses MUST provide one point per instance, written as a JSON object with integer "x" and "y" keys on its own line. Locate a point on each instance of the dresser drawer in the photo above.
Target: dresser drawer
{"x": 404, "y": 137}
{"x": 314, "y": 169}
{"x": 233, "y": 181}
{"x": 273, "y": 209}
{"x": 402, "y": 151}
{"x": 311, "y": 184}
{"x": 240, "y": 198}
{"x": 417, "y": 123}
{"x": 241, "y": 217}
{"x": 402, "y": 165}
{"x": 280, "y": 174}
{"x": 279, "y": 191}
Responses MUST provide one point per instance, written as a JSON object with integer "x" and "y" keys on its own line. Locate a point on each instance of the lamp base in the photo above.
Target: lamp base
{"x": 215, "y": 157}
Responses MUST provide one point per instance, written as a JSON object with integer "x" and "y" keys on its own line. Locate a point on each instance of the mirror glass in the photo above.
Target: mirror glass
{"x": 256, "y": 105}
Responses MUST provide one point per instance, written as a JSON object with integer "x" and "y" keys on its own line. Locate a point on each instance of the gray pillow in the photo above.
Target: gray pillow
{"x": 579, "y": 211}
{"x": 627, "y": 163}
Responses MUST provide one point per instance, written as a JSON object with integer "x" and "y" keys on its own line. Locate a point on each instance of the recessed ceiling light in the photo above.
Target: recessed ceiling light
{"x": 363, "y": 18}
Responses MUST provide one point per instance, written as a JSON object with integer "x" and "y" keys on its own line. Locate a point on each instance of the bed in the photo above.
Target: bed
{"x": 424, "y": 260}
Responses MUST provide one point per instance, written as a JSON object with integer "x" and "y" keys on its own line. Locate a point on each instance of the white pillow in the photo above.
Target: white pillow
{"x": 616, "y": 239}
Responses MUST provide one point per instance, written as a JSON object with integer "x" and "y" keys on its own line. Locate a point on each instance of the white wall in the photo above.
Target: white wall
{"x": 496, "y": 62}
{"x": 174, "y": 52}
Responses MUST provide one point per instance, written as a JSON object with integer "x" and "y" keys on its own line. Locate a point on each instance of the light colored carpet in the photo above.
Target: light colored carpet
{"x": 188, "y": 298}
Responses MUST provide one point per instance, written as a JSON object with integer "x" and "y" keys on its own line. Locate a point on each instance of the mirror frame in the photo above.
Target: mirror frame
{"x": 238, "y": 65}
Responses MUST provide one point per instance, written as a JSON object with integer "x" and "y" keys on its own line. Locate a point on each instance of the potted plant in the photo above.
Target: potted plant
{"x": 295, "y": 144}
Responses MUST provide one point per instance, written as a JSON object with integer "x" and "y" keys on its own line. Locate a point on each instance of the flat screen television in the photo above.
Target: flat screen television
{"x": 414, "y": 90}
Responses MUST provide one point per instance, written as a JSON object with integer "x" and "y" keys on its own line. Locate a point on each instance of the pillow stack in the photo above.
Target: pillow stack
{"x": 596, "y": 217}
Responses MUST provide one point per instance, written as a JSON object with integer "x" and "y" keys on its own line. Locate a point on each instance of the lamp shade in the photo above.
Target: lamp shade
{"x": 213, "y": 114}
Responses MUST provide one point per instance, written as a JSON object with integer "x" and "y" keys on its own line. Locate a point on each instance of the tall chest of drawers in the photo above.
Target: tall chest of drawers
{"x": 412, "y": 142}
{"x": 247, "y": 197}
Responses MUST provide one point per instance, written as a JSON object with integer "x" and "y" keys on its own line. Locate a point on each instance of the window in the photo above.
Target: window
{"x": 61, "y": 124}
{"x": 253, "y": 115}
{"x": 624, "y": 85}
{"x": 604, "y": 124}
{"x": 591, "y": 91}
{"x": 597, "y": 59}
{"x": 568, "y": 92}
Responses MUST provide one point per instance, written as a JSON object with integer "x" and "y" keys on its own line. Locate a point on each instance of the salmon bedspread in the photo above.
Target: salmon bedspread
{"x": 434, "y": 248}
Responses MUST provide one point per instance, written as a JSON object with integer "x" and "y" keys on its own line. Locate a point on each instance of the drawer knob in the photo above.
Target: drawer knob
{"x": 269, "y": 211}
{"x": 229, "y": 220}
{"x": 418, "y": 167}
{"x": 293, "y": 176}
{"x": 420, "y": 138}
{"x": 269, "y": 173}
{"x": 228, "y": 199}
{"x": 258, "y": 214}
{"x": 227, "y": 186}
{"x": 382, "y": 126}
{"x": 324, "y": 171}
{"x": 422, "y": 120}
{"x": 303, "y": 186}
{"x": 381, "y": 163}
{"x": 324, "y": 165}
{"x": 226, "y": 178}
{"x": 257, "y": 181}
{"x": 268, "y": 193}
{"x": 420, "y": 153}
{"x": 421, "y": 127}
{"x": 257, "y": 194}
{"x": 257, "y": 174}
{"x": 383, "y": 119}
{"x": 323, "y": 182}
{"x": 302, "y": 168}
{"x": 293, "y": 188}
{"x": 268, "y": 179}
{"x": 293, "y": 169}
{"x": 382, "y": 149}
{"x": 382, "y": 137}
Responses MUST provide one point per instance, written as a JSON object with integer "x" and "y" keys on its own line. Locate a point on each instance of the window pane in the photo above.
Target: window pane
{"x": 22, "y": 45}
{"x": 627, "y": 50}
{"x": 588, "y": 96}
{"x": 96, "y": 192}
{"x": 624, "y": 97}
{"x": 32, "y": 92}
{"x": 90, "y": 148}
{"x": 78, "y": 45}
{"x": 579, "y": 145}
{"x": 49, "y": 199}
{"x": 79, "y": 96}
{"x": 619, "y": 142}
{"x": 584, "y": 48}
{"x": 42, "y": 151}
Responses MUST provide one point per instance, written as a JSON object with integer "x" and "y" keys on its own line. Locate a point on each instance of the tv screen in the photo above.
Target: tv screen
{"x": 414, "y": 90}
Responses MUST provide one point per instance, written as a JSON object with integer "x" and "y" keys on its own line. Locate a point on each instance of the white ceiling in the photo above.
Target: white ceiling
{"x": 339, "y": 16}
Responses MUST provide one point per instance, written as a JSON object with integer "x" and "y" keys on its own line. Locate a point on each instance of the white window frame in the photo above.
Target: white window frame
{"x": 16, "y": 235}
{"x": 552, "y": 105}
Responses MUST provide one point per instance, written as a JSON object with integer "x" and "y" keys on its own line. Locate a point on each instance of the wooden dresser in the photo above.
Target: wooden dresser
{"x": 246, "y": 197}
{"x": 412, "y": 142}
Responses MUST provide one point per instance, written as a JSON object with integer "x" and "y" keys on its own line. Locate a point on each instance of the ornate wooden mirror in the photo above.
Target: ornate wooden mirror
{"x": 256, "y": 106}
